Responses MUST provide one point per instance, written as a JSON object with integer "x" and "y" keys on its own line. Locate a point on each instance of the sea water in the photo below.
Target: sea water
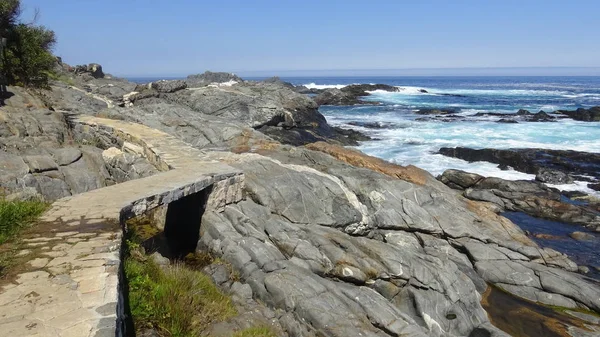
{"x": 405, "y": 138}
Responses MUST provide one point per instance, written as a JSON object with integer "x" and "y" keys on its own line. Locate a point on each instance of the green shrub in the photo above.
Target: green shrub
{"x": 15, "y": 215}
{"x": 27, "y": 59}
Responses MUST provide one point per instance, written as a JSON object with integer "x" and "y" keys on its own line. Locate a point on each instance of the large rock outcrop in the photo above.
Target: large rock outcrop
{"x": 581, "y": 114}
{"x": 40, "y": 156}
{"x": 549, "y": 166}
{"x": 351, "y": 94}
{"x": 530, "y": 197}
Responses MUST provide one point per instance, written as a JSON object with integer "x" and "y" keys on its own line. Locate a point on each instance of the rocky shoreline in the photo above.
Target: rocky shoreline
{"x": 549, "y": 166}
{"x": 327, "y": 240}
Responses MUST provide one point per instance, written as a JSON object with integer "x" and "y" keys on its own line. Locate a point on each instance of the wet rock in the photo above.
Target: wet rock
{"x": 374, "y": 125}
{"x": 595, "y": 187}
{"x": 507, "y": 121}
{"x": 459, "y": 179}
{"x": 546, "y": 236}
{"x": 582, "y": 236}
{"x": 553, "y": 177}
{"x": 540, "y": 117}
{"x": 581, "y": 114}
{"x": 427, "y": 111}
{"x": 351, "y": 94}
{"x": 544, "y": 162}
{"x": 529, "y": 197}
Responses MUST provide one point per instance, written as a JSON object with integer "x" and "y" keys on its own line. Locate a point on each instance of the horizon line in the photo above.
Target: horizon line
{"x": 264, "y": 72}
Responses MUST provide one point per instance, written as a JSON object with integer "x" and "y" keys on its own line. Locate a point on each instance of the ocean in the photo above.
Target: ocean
{"x": 407, "y": 139}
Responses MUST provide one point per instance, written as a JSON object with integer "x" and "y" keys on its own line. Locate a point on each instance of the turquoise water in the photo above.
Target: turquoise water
{"x": 407, "y": 140}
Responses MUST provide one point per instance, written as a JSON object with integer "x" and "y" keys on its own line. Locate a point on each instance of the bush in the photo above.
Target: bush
{"x": 27, "y": 58}
{"x": 15, "y": 215}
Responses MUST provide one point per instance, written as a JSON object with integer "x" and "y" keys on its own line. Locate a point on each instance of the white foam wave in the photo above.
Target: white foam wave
{"x": 324, "y": 86}
{"x": 577, "y": 186}
{"x": 223, "y": 84}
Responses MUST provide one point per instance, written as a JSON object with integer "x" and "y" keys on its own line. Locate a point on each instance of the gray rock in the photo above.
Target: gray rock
{"x": 484, "y": 195}
{"x": 553, "y": 177}
{"x": 66, "y": 155}
{"x": 168, "y": 86}
{"x": 40, "y": 163}
{"x": 50, "y": 188}
{"x": 159, "y": 259}
{"x": 242, "y": 291}
{"x": 209, "y": 77}
{"x": 459, "y": 179}
{"x": 12, "y": 169}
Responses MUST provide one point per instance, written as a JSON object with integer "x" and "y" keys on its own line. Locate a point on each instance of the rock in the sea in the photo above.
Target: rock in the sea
{"x": 209, "y": 77}
{"x": 458, "y": 179}
{"x": 507, "y": 121}
{"x": 581, "y": 114}
{"x": 530, "y": 197}
{"x": 582, "y": 236}
{"x": 595, "y": 187}
{"x": 433, "y": 111}
{"x": 351, "y": 94}
{"x": 540, "y": 117}
{"x": 533, "y": 161}
{"x": 553, "y": 176}
{"x": 336, "y": 96}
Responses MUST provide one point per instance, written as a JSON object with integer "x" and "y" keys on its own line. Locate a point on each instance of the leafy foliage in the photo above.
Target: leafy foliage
{"x": 27, "y": 58}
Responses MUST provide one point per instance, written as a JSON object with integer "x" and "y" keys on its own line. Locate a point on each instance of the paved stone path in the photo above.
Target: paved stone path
{"x": 69, "y": 285}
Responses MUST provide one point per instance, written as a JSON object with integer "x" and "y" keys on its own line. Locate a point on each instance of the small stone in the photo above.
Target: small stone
{"x": 159, "y": 259}
{"x": 39, "y": 262}
{"x": 583, "y": 269}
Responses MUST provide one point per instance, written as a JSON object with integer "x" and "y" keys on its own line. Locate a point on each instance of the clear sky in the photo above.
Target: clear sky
{"x": 178, "y": 37}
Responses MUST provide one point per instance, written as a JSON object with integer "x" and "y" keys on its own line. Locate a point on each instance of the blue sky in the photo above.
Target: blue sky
{"x": 150, "y": 37}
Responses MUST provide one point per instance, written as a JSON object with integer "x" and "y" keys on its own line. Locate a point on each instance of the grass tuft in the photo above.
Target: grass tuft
{"x": 17, "y": 215}
{"x": 175, "y": 300}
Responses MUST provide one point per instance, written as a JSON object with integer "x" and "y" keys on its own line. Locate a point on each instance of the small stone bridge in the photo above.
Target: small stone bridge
{"x": 71, "y": 284}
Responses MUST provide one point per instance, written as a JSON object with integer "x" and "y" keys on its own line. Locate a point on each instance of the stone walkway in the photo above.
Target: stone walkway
{"x": 70, "y": 280}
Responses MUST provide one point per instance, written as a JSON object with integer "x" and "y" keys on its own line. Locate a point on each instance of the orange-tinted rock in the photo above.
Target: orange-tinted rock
{"x": 356, "y": 158}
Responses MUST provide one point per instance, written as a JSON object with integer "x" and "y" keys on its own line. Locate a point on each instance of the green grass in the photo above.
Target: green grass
{"x": 16, "y": 215}
{"x": 61, "y": 78}
{"x": 258, "y": 331}
{"x": 177, "y": 301}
